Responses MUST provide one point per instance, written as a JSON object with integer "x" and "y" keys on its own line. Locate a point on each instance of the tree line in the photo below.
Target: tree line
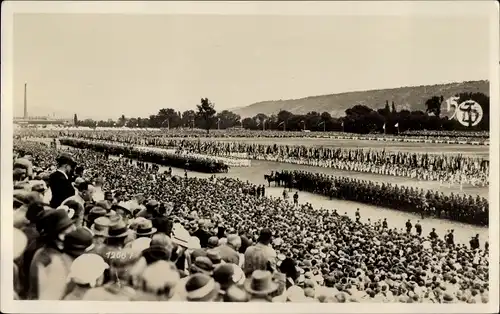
{"x": 358, "y": 119}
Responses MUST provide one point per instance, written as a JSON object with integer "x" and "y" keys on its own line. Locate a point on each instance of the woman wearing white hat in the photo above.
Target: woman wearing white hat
{"x": 86, "y": 272}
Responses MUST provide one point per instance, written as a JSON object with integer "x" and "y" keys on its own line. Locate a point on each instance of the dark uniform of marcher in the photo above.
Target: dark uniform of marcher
{"x": 408, "y": 226}
{"x": 450, "y": 238}
{"x": 433, "y": 235}
{"x": 474, "y": 242}
{"x": 418, "y": 228}
{"x": 358, "y": 215}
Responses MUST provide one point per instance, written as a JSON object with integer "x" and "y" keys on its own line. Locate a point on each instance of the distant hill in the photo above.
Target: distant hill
{"x": 410, "y": 98}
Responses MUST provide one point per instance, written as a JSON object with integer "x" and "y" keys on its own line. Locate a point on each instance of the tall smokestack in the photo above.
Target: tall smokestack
{"x": 25, "y": 101}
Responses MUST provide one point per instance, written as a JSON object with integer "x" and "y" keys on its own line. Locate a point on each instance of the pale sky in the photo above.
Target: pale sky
{"x": 102, "y": 66}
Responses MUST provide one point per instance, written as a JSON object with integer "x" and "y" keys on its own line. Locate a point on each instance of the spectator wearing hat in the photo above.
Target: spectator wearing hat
{"x": 224, "y": 275}
{"x": 145, "y": 229}
{"x": 60, "y": 180}
{"x": 213, "y": 242}
{"x": 95, "y": 213}
{"x": 22, "y": 199}
{"x": 50, "y": 266}
{"x": 78, "y": 242}
{"x": 159, "y": 281}
{"x": 214, "y": 256}
{"x": 151, "y": 210}
{"x": 202, "y": 265}
{"x": 260, "y": 286}
{"x": 124, "y": 269}
{"x": 34, "y": 214}
{"x": 86, "y": 272}
{"x": 156, "y": 253}
{"x": 100, "y": 229}
{"x": 229, "y": 251}
{"x": 115, "y": 240}
{"x": 255, "y": 253}
{"x": 84, "y": 195}
{"x": 124, "y": 209}
{"x": 23, "y": 170}
{"x": 201, "y": 288}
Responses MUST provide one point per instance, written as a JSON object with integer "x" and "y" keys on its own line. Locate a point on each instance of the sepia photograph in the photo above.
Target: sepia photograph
{"x": 290, "y": 153}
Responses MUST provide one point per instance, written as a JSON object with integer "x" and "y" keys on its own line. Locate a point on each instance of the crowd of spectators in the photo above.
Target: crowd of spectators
{"x": 456, "y": 137}
{"x": 91, "y": 228}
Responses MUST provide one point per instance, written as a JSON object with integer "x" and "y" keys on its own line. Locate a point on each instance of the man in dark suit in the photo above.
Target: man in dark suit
{"x": 60, "y": 180}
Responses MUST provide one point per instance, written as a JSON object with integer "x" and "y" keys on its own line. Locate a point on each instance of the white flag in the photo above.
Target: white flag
{"x": 396, "y": 125}
{"x": 384, "y": 126}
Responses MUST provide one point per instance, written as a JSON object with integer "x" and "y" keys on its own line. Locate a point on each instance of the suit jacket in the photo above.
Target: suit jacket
{"x": 60, "y": 187}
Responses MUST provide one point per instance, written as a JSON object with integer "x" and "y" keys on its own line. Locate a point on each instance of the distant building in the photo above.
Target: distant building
{"x": 42, "y": 121}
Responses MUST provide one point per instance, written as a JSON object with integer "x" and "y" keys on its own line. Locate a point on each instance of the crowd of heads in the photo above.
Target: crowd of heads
{"x": 109, "y": 133}
{"x": 194, "y": 162}
{"x": 192, "y": 239}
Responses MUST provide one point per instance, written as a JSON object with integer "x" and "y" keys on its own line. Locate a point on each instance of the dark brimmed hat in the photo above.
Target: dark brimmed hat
{"x": 35, "y": 210}
{"x": 201, "y": 288}
{"x": 78, "y": 242}
{"x": 214, "y": 256}
{"x": 55, "y": 221}
{"x": 118, "y": 230}
{"x": 261, "y": 283}
{"x": 213, "y": 242}
{"x": 156, "y": 253}
{"x": 223, "y": 274}
{"x": 202, "y": 264}
{"x": 100, "y": 226}
{"x": 145, "y": 228}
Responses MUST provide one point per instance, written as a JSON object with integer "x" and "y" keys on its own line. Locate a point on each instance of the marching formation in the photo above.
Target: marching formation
{"x": 175, "y": 159}
{"x": 445, "y": 168}
{"x": 92, "y": 228}
{"x": 462, "y": 208}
